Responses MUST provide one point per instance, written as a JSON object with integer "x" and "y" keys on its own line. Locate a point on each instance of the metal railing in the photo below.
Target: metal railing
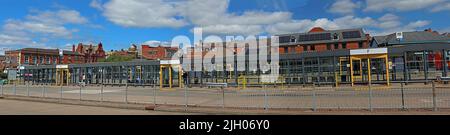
{"x": 433, "y": 96}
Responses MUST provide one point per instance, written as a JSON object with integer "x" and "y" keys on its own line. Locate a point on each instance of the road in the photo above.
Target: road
{"x": 15, "y": 107}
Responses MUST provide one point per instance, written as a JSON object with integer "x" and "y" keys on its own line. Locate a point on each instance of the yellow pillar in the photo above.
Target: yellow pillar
{"x": 387, "y": 70}
{"x": 170, "y": 76}
{"x": 368, "y": 71}
{"x": 160, "y": 77}
{"x": 180, "y": 76}
{"x": 351, "y": 70}
{"x": 68, "y": 76}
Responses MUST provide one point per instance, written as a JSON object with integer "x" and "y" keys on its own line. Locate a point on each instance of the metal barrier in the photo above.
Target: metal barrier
{"x": 434, "y": 96}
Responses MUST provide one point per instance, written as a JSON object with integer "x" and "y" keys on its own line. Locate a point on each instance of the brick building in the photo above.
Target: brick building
{"x": 159, "y": 52}
{"x": 318, "y": 39}
{"x": 89, "y": 52}
{"x": 38, "y": 56}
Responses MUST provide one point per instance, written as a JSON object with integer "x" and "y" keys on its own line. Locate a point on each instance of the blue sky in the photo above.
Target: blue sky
{"x": 119, "y": 23}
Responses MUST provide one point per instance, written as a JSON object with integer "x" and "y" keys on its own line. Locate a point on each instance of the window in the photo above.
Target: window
{"x": 360, "y": 45}
{"x": 344, "y": 45}
{"x": 328, "y": 47}
{"x": 41, "y": 60}
{"x": 48, "y": 60}
{"x": 335, "y": 36}
{"x": 152, "y": 52}
{"x": 34, "y": 60}
{"x": 305, "y": 48}
{"x": 26, "y": 60}
{"x": 312, "y": 48}
{"x": 55, "y": 60}
{"x": 336, "y": 46}
{"x": 293, "y": 40}
{"x": 286, "y": 50}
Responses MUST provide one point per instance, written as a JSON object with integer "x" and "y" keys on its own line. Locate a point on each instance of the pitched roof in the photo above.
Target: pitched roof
{"x": 327, "y": 36}
{"x": 412, "y": 37}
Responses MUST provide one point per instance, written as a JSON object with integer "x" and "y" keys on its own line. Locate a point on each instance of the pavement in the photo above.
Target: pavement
{"x": 252, "y": 100}
{"x": 17, "y": 107}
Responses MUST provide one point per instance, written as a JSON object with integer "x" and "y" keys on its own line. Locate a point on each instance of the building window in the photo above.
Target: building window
{"x": 336, "y": 46}
{"x": 286, "y": 50}
{"x": 312, "y": 48}
{"x": 55, "y": 60}
{"x": 335, "y": 36}
{"x": 293, "y": 39}
{"x": 305, "y": 48}
{"x": 360, "y": 44}
{"x": 344, "y": 45}
{"x": 26, "y": 60}
{"x": 41, "y": 60}
{"x": 34, "y": 60}
{"x": 152, "y": 52}
{"x": 328, "y": 47}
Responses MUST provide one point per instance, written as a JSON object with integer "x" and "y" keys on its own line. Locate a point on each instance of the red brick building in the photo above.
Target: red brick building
{"x": 38, "y": 56}
{"x": 318, "y": 39}
{"x": 159, "y": 52}
{"x": 90, "y": 53}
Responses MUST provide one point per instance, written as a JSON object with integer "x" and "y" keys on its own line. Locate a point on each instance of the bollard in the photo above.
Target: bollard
{"x": 223, "y": 97}
{"x": 314, "y": 104}
{"x": 434, "y": 96}
{"x": 370, "y": 96}
{"x": 403, "y": 96}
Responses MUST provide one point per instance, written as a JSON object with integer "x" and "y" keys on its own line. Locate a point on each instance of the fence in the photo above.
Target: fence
{"x": 433, "y": 96}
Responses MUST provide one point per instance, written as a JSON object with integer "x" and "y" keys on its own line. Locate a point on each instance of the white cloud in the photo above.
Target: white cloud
{"x": 211, "y": 15}
{"x": 47, "y": 22}
{"x": 399, "y": 5}
{"x": 214, "y": 16}
{"x": 143, "y": 13}
{"x": 388, "y": 21}
{"x": 155, "y": 43}
{"x": 306, "y": 24}
{"x": 97, "y": 4}
{"x": 441, "y": 7}
{"x": 38, "y": 27}
{"x": 344, "y": 7}
{"x": 58, "y": 17}
{"x": 233, "y": 29}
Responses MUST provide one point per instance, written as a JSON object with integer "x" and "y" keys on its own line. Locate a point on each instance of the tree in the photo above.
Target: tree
{"x": 116, "y": 58}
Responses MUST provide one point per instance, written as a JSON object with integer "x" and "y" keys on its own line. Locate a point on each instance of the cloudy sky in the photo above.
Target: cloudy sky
{"x": 118, "y": 23}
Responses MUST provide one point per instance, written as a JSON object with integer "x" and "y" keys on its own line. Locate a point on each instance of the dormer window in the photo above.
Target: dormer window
{"x": 335, "y": 36}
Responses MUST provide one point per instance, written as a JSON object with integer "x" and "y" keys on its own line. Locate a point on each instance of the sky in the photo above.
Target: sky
{"x": 120, "y": 23}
